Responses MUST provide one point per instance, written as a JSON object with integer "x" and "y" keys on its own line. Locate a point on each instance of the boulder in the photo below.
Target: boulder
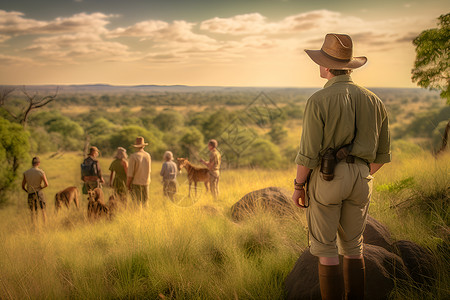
{"x": 377, "y": 234}
{"x": 272, "y": 199}
{"x": 420, "y": 262}
{"x": 382, "y": 269}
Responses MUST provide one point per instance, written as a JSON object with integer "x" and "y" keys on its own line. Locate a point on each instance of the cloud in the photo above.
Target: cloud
{"x": 15, "y": 60}
{"x": 255, "y": 23}
{"x": 4, "y": 38}
{"x": 178, "y": 31}
{"x": 14, "y": 23}
{"x": 84, "y": 37}
{"x": 73, "y": 47}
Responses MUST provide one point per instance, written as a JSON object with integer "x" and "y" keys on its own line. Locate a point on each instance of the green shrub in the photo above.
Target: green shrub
{"x": 14, "y": 147}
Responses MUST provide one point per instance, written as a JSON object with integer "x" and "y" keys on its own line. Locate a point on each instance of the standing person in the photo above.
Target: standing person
{"x": 138, "y": 175}
{"x": 34, "y": 181}
{"x": 350, "y": 122}
{"x": 118, "y": 176}
{"x": 214, "y": 166}
{"x": 169, "y": 175}
{"x": 91, "y": 173}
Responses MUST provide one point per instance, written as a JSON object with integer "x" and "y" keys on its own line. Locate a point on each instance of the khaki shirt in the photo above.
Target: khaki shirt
{"x": 215, "y": 158}
{"x": 34, "y": 178}
{"x": 331, "y": 115}
{"x": 139, "y": 167}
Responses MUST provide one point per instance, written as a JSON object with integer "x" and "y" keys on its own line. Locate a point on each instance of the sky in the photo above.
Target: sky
{"x": 257, "y": 43}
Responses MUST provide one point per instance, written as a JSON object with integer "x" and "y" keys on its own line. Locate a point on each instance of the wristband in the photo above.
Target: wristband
{"x": 299, "y": 184}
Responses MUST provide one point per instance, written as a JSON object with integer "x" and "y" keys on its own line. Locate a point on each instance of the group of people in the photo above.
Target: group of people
{"x": 128, "y": 175}
{"x": 345, "y": 140}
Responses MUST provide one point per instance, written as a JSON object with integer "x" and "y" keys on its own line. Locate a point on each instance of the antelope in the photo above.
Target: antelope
{"x": 195, "y": 174}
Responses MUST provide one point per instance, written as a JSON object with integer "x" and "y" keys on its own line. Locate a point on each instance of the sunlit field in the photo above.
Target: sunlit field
{"x": 191, "y": 248}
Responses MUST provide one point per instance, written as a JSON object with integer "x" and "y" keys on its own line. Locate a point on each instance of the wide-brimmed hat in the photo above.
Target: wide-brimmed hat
{"x": 93, "y": 148}
{"x": 140, "y": 142}
{"x": 337, "y": 53}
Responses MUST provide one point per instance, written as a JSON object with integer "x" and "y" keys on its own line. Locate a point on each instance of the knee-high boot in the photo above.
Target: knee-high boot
{"x": 354, "y": 278}
{"x": 331, "y": 285}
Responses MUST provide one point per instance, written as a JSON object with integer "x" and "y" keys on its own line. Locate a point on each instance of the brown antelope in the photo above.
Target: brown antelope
{"x": 195, "y": 174}
{"x": 66, "y": 196}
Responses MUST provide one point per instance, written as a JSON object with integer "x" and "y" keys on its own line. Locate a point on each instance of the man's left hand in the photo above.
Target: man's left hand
{"x": 299, "y": 198}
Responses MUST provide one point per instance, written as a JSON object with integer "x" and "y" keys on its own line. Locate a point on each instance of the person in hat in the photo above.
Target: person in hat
{"x": 118, "y": 175}
{"x": 169, "y": 175}
{"x": 213, "y": 165}
{"x": 91, "y": 173}
{"x": 34, "y": 181}
{"x": 138, "y": 175}
{"x": 345, "y": 140}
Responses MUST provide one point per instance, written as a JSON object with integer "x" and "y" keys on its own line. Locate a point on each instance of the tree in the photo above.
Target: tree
{"x": 168, "y": 120}
{"x": 13, "y": 151}
{"x": 431, "y": 67}
{"x": 33, "y": 102}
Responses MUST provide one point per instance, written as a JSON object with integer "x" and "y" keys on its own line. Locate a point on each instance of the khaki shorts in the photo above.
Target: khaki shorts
{"x": 34, "y": 199}
{"x": 338, "y": 210}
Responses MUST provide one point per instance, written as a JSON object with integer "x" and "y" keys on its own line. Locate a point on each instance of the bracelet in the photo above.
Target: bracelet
{"x": 299, "y": 188}
{"x": 299, "y": 184}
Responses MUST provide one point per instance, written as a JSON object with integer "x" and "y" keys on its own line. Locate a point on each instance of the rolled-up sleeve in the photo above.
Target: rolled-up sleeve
{"x": 384, "y": 144}
{"x": 312, "y": 135}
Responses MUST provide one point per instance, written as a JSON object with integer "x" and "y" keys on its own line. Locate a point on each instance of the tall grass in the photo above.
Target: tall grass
{"x": 191, "y": 249}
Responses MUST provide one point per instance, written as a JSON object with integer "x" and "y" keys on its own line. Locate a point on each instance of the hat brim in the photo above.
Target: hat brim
{"x": 141, "y": 145}
{"x": 325, "y": 61}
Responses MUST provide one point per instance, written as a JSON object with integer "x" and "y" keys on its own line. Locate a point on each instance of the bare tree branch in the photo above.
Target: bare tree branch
{"x": 4, "y": 93}
{"x": 33, "y": 102}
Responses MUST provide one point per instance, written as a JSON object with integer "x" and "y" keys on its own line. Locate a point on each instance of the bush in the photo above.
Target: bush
{"x": 168, "y": 120}
{"x": 14, "y": 148}
{"x": 126, "y": 137}
{"x": 191, "y": 142}
{"x": 264, "y": 154}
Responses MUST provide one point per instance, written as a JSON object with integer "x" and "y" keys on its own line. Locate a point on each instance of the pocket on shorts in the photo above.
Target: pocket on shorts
{"x": 328, "y": 192}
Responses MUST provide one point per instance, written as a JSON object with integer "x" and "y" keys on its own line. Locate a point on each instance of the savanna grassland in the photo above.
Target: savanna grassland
{"x": 191, "y": 248}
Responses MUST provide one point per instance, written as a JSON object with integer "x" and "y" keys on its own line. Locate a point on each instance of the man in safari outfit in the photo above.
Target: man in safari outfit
{"x": 213, "y": 165}
{"x": 138, "y": 175}
{"x": 342, "y": 116}
{"x": 34, "y": 181}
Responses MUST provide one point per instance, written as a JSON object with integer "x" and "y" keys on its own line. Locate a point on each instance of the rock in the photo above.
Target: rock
{"x": 420, "y": 262}
{"x": 382, "y": 268}
{"x": 272, "y": 199}
{"x": 377, "y": 234}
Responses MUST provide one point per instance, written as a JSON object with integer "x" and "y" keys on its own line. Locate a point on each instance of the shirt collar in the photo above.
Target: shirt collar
{"x": 337, "y": 79}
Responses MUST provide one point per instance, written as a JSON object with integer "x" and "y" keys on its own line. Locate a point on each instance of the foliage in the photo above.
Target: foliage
{"x": 126, "y": 137}
{"x": 14, "y": 148}
{"x": 431, "y": 67}
{"x": 101, "y": 126}
{"x": 263, "y": 154}
{"x": 424, "y": 123}
{"x": 168, "y": 120}
{"x": 277, "y": 133}
{"x": 191, "y": 142}
{"x": 216, "y": 124}
{"x": 71, "y": 133}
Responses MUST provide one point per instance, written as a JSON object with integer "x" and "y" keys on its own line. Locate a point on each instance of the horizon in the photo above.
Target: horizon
{"x": 205, "y": 43}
